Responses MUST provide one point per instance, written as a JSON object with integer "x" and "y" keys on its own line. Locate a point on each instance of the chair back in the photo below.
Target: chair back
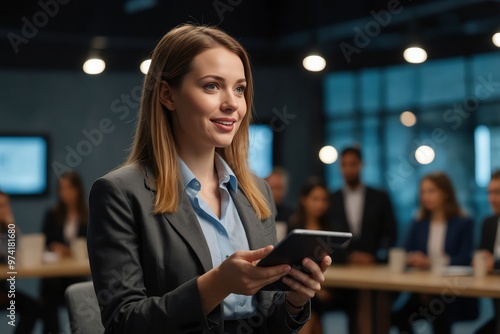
{"x": 83, "y": 308}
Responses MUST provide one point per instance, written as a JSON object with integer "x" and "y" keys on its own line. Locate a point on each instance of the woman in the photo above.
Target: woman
{"x": 312, "y": 215}
{"x": 25, "y": 306}
{"x": 175, "y": 233}
{"x": 62, "y": 224}
{"x": 443, "y": 234}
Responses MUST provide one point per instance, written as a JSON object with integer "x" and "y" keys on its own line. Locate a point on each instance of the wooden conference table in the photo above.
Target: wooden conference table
{"x": 380, "y": 278}
{"x": 369, "y": 278}
{"x": 65, "y": 267}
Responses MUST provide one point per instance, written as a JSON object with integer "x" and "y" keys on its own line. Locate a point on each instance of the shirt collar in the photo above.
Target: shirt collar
{"x": 359, "y": 190}
{"x": 224, "y": 172}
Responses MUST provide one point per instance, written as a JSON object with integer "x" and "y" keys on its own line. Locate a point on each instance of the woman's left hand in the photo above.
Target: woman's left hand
{"x": 306, "y": 285}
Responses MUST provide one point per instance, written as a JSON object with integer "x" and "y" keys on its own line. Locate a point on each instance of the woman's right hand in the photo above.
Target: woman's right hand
{"x": 238, "y": 274}
{"x": 241, "y": 275}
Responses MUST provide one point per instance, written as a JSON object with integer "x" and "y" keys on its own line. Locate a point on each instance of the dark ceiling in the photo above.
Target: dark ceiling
{"x": 275, "y": 32}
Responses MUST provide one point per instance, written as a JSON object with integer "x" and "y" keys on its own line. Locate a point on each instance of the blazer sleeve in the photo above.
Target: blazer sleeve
{"x": 486, "y": 236}
{"x": 463, "y": 256}
{"x": 411, "y": 243}
{"x": 390, "y": 226}
{"x": 114, "y": 251}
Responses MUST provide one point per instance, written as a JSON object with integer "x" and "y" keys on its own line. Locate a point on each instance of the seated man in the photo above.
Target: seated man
{"x": 490, "y": 243}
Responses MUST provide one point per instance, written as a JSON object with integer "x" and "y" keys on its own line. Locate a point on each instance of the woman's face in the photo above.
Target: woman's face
{"x": 67, "y": 192}
{"x": 316, "y": 203}
{"x": 210, "y": 104}
{"x": 431, "y": 197}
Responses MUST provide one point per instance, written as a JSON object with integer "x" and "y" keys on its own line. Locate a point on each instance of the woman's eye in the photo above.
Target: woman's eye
{"x": 240, "y": 90}
{"x": 211, "y": 86}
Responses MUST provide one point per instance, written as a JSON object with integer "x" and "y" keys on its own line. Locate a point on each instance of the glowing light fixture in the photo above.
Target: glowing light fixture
{"x": 415, "y": 55}
{"x": 328, "y": 154}
{"x": 314, "y": 63}
{"x": 496, "y": 39}
{"x": 94, "y": 66}
{"x": 425, "y": 155}
{"x": 408, "y": 118}
{"x": 145, "y": 66}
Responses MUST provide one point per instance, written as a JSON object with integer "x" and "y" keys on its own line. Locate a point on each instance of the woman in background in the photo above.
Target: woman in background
{"x": 440, "y": 233}
{"x": 63, "y": 224}
{"x": 26, "y": 306}
{"x": 312, "y": 215}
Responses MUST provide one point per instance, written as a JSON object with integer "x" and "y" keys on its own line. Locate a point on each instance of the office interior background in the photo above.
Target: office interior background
{"x": 408, "y": 118}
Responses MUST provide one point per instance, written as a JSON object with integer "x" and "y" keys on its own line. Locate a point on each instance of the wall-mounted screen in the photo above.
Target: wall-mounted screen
{"x": 23, "y": 164}
{"x": 261, "y": 149}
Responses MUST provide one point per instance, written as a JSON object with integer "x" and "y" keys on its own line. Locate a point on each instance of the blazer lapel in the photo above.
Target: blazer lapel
{"x": 253, "y": 226}
{"x": 185, "y": 222}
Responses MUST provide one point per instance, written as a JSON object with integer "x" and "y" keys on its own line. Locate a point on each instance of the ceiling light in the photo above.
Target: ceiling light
{"x": 425, "y": 155}
{"x": 145, "y": 66}
{"x": 496, "y": 39}
{"x": 328, "y": 154}
{"x": 314, "y": 63}
{"x": 94, "y": 66}
{"x": 408, "y": 118}
{"x": 415, "y": 55}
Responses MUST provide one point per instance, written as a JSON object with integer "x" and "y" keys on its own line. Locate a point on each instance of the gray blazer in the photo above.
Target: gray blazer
{"x": 145, "y": 266}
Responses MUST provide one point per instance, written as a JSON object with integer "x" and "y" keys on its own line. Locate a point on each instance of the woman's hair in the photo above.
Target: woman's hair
{"x": 443, "y": 183}
{"x": 154, "y": 142}
{"x": 298, "y": 219}
{"x": 61, "y": 209}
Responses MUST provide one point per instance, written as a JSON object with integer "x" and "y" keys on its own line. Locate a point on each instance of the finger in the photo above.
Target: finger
{"x": 313, "y": 267}
{"x": 270, "y": 273}
{"x": 254, "y": 255}
{"x": 305, "y": 279}
{"x": 325, "y": 263}
{"x": 298, "y": 288}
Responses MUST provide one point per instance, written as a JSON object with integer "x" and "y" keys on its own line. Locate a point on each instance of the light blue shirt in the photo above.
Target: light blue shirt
{"x": 225, "y": 235}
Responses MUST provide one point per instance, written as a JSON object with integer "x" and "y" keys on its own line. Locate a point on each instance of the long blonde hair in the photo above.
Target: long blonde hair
{"x": 154, "y": 142}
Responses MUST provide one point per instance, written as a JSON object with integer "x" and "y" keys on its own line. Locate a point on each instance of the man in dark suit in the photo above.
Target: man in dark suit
{"x": 490, "y": 244}
{"x": 367, "y": 214}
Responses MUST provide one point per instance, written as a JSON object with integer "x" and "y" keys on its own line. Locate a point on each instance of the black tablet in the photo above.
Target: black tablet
{"x": 299, "y": 244}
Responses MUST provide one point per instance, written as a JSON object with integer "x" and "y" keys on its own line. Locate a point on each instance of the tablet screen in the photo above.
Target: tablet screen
{"x": 300, "y": 244}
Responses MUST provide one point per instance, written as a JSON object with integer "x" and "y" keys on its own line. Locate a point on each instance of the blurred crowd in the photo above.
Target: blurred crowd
{"x": 440, "y": 232}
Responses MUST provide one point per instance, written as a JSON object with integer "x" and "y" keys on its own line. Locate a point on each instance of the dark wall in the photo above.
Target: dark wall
{"x": 69, "y": 106}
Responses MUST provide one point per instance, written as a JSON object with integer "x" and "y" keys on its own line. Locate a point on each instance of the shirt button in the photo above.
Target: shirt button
{"x": 196, "y": 184}
{"x": 221, "y": 233}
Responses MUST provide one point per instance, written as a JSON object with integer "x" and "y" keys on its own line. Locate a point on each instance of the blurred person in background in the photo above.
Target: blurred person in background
{"x": 312, "y": 215}
{"x": 441, "y": 233}
{"x": 278, "y": 182}
{"x": 366, "y": 213}
{"x": 62, "y": 224}
{"x": 26, "y": 306}
{"x": 490, "y": 246}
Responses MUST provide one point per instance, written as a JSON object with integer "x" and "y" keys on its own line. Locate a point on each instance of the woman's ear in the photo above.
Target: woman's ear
{"x": 166, "y": 96}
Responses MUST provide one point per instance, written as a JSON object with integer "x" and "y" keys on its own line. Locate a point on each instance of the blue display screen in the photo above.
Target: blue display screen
{"x": 23, "y": 165}
{"x": 261, "y": 149}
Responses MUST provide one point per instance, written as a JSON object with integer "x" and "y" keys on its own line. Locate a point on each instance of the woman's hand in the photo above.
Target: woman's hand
{"x": 305, "y": 286}
{"x": 418, "y": 260}
{"x": 238, "y": 274}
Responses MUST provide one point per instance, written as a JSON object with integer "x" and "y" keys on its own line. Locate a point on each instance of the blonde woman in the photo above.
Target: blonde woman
{"x": 175, "y": 233}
